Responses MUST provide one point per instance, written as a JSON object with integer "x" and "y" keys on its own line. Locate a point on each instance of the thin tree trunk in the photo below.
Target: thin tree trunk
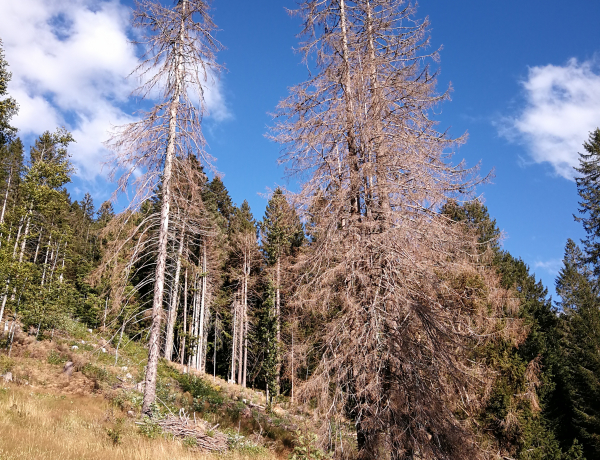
{"x": 247, "y": 273}
{"x": 242, "y": 324}
{"x": 25, "y": 235}
{"x": 194, "y": 323}
{"x": 60, "y": 278}
{"x": 215, "y": 347}
{"x": 234, "y": 337}
{"x": 105, "y": 313}
{"x": 292, "y": 373}
{"x": 6, "y": 196}
{"x": 174, "y": 299}
{"x": 4, "y": 298}
{"x": 14, "y": 255}
{"x": 37, "y": 248}
{"x": 185, "y": 288}
{"x": 55, "y": 258}
{"x": 46, "y": 260}
{"x": 161, "y": 262}
{"x": 278, "y": 314}
{"x": 202, "y": 307}
{"x": 205, "y": 340}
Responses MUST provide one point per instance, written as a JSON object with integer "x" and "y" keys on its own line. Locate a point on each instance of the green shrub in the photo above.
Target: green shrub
{"x": 149, "y": 428}
{"x": 56, "y": 358}
{"x": 116, "y": 432}
{"x": 306, "y": 449}
{"x": 6, "y": 364}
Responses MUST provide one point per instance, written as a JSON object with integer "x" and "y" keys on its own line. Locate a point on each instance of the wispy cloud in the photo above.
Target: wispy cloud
{"x": 562, "y": 106}
{"x": 69, "y": 62}
{"x": 551, "y": 266}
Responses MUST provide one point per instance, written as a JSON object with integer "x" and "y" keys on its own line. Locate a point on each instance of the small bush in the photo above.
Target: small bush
{"x": 56, "y": 358}
{"x": 306, "y": 449}
{"x": 202, "y": 392}
{"x": 99, "y": 375}
{"x": 6, "y": 364}
{"x": 116, "y": 432}
{"x": 150, "y": 428}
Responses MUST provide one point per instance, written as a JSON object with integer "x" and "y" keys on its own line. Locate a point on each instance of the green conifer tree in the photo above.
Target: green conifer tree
{"x": 8, "y": 106}
{"x": 580, "y": 344}
{"x": 589, "y": 193}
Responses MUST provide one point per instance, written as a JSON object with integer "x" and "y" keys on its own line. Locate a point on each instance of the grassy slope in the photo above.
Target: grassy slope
{"x": 44, "y": 414}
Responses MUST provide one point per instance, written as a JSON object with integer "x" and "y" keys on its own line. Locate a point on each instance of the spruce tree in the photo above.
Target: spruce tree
{"x": 8, "y": 106}
{"x": 580, "y": 344}
{"x": 281, "y": 232}
{"x": 589, "y": 193}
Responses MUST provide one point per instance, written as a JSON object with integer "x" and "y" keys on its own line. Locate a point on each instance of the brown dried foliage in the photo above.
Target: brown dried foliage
{"x": 395, "y": 296}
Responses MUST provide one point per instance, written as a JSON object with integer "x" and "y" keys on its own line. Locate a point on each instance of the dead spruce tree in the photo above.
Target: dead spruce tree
{"x": 391, "y": 291}
{"x": 180, "y": 57}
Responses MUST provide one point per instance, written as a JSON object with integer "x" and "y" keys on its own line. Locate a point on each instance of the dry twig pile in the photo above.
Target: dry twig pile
{"x": 185, "y": 428}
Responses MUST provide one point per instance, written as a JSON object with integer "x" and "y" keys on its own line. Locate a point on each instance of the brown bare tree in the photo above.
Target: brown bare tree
{"x": 395, "y": 294}
{"x": 180, "y": 58}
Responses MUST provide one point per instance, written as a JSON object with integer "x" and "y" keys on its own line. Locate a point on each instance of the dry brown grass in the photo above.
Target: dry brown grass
{"x": 36, "y": 425}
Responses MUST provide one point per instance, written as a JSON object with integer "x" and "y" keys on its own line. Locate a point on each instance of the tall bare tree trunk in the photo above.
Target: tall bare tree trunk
{"x": 25, "y": 235}
{"x": 161, "y": 262}
{"x": 242, "y": 319}
{"x": 234, "y": 337}
{"x": 192, "y": 331}
{"x": 60, "y": 278}
{"x": 6, "y": 196}
{"x": 174, "y": 299}
{"x": 292, "y": 373}
{"x": 278, "y": 314}
{"x": 202, "y": 310}
{"x": 185, "y": 289}
{"x": 37, "y": 248}
{"x": 46, "y": 259}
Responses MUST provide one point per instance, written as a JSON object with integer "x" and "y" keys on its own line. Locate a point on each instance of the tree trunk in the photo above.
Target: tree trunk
{"x": 25, "y": 235}
{"x": 37, "y": 248}
{"x": 161, "y": 262}
{"x": 6, "y": 196}
{"x": 202, "y": 308}
{"x": 174, "y": 299}
{"x": 292, "y": 365}
{"x": 247, "y": 274}
{"x": 234, "y": 342}
{"x": 46, "y": 259}
{"x": 278, "y": 315}
{"x": 242, "y": 324}
{"x": 350, "y": 137}
{"x": 381, "y": 178}
{"x": 191, "y": 328}
{"x": 185, "y": 288}
{"x": 60, "y": 278}
{"x": 194, "y": 323}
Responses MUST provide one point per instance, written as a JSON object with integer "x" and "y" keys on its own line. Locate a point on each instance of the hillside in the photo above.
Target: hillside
{"x": 94, "y": 413}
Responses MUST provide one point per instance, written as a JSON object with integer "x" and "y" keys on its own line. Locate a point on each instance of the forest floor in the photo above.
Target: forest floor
{"x": 94, "y": 413}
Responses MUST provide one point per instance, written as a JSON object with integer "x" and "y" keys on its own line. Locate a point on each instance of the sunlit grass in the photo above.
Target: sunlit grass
{"x": 36, "y": 425}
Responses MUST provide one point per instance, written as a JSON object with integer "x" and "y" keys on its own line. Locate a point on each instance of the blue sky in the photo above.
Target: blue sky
{"x": 525, "y": 77}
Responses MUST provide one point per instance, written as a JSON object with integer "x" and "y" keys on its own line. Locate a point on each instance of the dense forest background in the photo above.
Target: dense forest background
{"x": 280, "y": 300}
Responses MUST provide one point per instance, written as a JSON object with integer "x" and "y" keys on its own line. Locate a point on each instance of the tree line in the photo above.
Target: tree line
{"x": 378, "y": 295}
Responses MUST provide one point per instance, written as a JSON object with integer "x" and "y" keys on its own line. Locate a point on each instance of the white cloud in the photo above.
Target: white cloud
{"x": 562, "y": 107}
{"x": 69, "y": 62}
{"x": 551, "y": 266}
